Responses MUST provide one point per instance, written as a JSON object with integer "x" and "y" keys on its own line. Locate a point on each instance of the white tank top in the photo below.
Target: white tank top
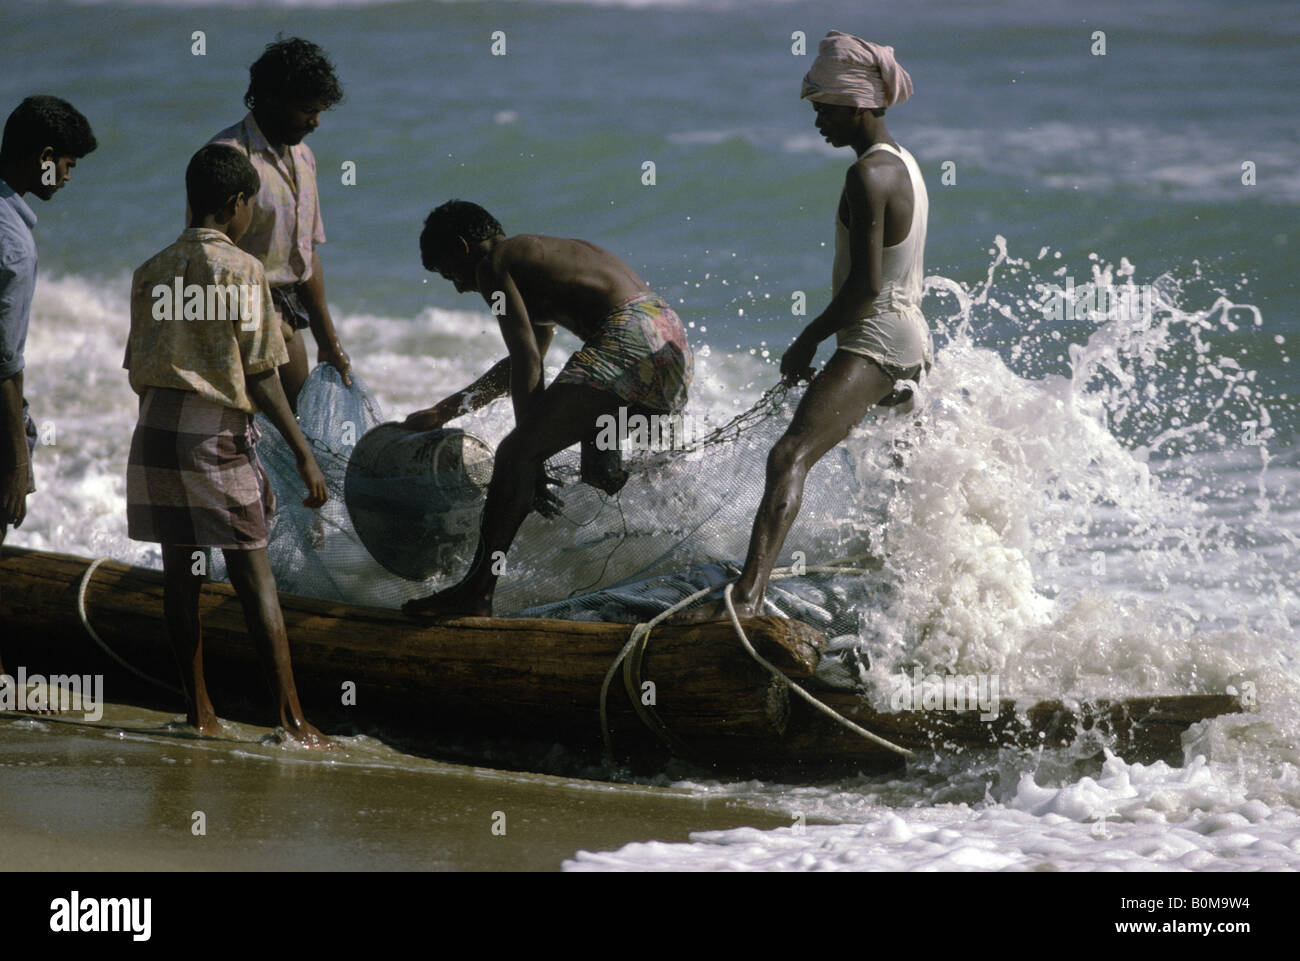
{"x": 902, "y": 271}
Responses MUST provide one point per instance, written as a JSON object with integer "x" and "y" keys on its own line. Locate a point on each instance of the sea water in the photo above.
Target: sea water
{"x": 1098, "y": 496}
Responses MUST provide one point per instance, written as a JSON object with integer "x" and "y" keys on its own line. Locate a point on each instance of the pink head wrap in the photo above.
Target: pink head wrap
{"x": 853, "y": 72}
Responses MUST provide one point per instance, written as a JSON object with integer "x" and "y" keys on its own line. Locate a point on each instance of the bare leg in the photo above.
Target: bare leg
{"x": 836, "y": 401}
{"x": 4, "y": 529}
{"x": 181, "y": 588}
{"x": 566, "y": 415}
{"x": 254, "y": 584}
{"x": 293, "y": 374}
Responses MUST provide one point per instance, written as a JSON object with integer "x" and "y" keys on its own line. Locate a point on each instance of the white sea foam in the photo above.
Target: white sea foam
{"x": 1130, "y": 817}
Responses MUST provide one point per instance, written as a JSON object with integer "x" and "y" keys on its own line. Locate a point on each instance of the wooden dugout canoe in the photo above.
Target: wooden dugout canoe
{"x": 528, "y": 680}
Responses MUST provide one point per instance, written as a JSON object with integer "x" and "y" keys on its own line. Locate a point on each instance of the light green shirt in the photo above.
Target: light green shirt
{"x": 202, "y": 320}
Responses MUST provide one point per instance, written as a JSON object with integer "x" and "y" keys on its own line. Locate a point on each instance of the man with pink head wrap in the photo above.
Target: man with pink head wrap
{"x": 875, "y": 313}
{"x": 852, "y": 72}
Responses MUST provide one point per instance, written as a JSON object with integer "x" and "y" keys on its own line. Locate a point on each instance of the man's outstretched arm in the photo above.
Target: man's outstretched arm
{"x": 526, "y": 384}
{"x": 483, "y": 391}
{"x": 265, "y": 391}
{"x": 480, "y": 393}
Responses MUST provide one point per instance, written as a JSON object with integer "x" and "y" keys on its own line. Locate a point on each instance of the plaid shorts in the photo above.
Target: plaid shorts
{"x": 193, "y": 477}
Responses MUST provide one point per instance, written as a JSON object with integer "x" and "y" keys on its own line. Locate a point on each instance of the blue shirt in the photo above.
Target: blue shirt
{"x": 17, "y": 278}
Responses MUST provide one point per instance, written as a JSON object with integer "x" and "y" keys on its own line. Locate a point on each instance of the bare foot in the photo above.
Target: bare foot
{"x": 713, "y": 610}
{"x": 305, "y": 735}
{"x": 208, "y": 728}
{"x": 453, "y": 602}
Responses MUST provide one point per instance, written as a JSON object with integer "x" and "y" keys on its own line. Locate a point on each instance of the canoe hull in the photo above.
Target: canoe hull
{"x": 373, "y": 670}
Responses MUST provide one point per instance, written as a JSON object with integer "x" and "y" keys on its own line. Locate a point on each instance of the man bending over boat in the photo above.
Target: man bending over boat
{"x": 875, "y": 314}
{"x": 634, "y": 356}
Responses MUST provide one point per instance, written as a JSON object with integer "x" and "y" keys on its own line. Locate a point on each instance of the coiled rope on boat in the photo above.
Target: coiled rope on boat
{"x": 640, "y": 636}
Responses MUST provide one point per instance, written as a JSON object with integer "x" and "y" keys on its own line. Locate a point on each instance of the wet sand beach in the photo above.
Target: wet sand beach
{"x": 122, "y": 794}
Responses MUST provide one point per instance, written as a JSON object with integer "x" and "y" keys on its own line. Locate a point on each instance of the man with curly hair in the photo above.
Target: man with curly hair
{"x": 290, "y": 85}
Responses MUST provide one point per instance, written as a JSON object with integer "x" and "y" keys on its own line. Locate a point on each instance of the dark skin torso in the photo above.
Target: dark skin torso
{"x": 888, "y": 170}
{"x": 571, "y": 283}
{"x": 545, "y": 280}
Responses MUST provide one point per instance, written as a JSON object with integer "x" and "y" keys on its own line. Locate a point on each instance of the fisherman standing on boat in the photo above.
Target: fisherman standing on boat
{"x": 875, "y": 313}
{"x": 44, "y": 138}
{"x": 634, "y": 357}
{"x": 290, "y": 85}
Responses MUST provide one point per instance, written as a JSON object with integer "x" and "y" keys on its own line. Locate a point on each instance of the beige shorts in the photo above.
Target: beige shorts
{"x": 898, "y": 343}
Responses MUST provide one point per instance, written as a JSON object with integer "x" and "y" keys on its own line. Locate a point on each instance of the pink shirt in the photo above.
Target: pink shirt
{"x": 286, "y": 224}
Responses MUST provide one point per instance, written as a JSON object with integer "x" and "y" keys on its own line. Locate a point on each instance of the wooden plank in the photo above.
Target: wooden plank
{"x": 1142, "y": 728}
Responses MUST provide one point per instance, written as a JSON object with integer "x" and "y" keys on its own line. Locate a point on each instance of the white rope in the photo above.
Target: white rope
{"x": 776, "y": 672}
{"x": 85, "y": 622}
{"x": 641, "y": 630}
{"x": 638, "y": 632}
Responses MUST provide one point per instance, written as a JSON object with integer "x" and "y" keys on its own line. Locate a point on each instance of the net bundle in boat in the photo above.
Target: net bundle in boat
{"x": 402, "y": 519}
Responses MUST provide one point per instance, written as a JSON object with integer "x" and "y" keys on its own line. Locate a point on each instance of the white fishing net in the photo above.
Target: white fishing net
{"x": 402, "y": 520}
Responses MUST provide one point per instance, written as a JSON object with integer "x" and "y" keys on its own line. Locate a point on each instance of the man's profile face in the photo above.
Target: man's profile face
{"x": 55, "y": 171}
{"x": 834, "y": 122}
{"x": 291, "y": 122}
{"x": 462, "y": 272}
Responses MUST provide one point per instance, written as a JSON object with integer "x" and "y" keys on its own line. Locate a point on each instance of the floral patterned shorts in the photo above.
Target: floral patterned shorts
{"x": 639, "y": 353}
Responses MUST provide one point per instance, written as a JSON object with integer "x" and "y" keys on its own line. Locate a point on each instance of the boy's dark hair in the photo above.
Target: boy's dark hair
{"x": 42, "y": 121}
{"x": 215, "y": 174}
{"x": 293, "y": 70}
{"x": 455, "y": 218}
